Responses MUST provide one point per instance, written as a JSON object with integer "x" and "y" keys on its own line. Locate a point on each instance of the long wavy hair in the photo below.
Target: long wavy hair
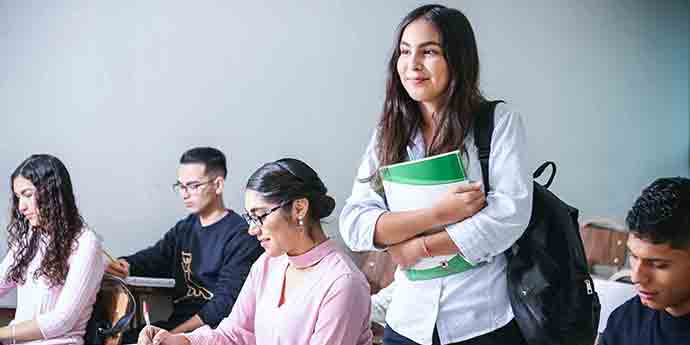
{"x": 59, "y": 221}
{"x": 402, "y": 117}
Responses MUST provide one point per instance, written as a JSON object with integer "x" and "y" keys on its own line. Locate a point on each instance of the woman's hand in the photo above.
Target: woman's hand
{"x": 460, "y": 202}
{"x": 407, "y": 253}
{"x": 152, "y": 335}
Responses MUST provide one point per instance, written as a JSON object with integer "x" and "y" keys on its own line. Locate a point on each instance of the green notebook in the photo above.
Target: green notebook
{"x": 419, "y": 184}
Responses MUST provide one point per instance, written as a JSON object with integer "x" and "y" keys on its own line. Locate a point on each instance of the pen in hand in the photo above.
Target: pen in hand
{"x": 145, "y": 306}
{"x": 118, "y": 268}
{"x": 109, "y": 256}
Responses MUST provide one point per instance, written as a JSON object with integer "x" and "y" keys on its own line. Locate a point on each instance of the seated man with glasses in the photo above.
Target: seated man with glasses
{"x": 208, "y": 253}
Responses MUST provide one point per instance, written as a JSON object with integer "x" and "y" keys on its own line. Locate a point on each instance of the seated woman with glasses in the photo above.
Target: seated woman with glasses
{"x": 53, "y": 260}
{"x": 303, "y": 290}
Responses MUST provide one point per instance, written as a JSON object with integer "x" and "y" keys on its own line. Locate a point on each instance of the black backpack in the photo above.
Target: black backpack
{"x": 550, "y": 289}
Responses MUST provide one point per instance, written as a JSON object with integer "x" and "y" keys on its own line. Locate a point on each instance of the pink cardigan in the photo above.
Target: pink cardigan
{"x": 331, "y": 307}
{"x": 61, "y": 311}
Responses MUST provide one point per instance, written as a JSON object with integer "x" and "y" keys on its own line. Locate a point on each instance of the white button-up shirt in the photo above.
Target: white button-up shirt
{"x": 474, "y": 302}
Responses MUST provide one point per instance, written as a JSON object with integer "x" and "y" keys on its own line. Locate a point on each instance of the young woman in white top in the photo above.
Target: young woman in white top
{"x": 53, "y": 260}
{"x": 432, "y": 94}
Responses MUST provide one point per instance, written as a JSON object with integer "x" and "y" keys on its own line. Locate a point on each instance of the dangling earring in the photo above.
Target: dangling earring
{"x": 300, "y": 222}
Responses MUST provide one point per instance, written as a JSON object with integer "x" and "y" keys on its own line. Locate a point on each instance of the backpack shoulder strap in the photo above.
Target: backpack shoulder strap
{"x": 483, "y": 130}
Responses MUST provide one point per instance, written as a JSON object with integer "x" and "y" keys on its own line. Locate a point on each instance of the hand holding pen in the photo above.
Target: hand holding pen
{"x": 118, "y": 268}
{"x": 145, "y": 308}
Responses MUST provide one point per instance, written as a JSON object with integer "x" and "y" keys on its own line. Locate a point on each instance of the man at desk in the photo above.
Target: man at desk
{"x": 208, "y": 253}
{"x": 659, "y": 245}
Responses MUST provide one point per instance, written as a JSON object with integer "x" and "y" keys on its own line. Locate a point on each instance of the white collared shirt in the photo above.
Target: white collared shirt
{"x": 474, "y": 302}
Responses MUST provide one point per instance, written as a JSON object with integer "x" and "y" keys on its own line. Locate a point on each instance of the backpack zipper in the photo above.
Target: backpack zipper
{"x": 588, "y": 284}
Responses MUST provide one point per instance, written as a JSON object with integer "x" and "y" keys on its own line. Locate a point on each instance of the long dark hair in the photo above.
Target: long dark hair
{"x": 288, "y": 179}
{"x": 60, "y": 222}
{"x": 401, "y": 115}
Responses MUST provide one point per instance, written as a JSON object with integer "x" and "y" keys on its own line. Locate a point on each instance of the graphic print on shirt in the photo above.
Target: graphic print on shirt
{"x": 194, "y": 289}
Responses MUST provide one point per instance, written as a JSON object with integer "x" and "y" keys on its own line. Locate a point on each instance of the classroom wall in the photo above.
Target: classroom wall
{"x": 118, "y": 90}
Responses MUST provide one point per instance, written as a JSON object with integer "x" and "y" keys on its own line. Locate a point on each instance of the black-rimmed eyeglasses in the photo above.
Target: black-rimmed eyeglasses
{"x": 254, "y": 220}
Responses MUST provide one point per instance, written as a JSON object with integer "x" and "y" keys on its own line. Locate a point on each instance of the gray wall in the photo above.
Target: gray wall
{"x": 118, "y": 90}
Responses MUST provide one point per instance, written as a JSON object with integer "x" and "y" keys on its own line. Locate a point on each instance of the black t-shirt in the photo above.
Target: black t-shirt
{"x": 633, "y": 323}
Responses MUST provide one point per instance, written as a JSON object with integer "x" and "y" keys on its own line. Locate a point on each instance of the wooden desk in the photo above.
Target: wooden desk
{"x": 8, "y": 305}
{"x": 6, "y": 315}
{"x": 604, "y": 246}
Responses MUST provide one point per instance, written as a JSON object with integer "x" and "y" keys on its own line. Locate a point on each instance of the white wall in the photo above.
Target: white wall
{"x": 118, "y": 90}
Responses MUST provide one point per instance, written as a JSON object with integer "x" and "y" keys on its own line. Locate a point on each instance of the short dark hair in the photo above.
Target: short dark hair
{"x": 662, "y": 213}
{"x": 212, "y": 159}
{"x": 289, "y": 179}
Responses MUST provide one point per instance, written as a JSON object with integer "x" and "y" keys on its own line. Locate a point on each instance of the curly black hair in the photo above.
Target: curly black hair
{"x": 662, "y": 213}
{"x": 60, "y": 221}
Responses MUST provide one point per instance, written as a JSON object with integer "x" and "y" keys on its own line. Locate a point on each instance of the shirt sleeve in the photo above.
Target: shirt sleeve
{"x": 380, "y": 302}
{"x": 364, "y": 206}
{"x": 86, "y": 268}
{"x": 509, "y": 202}
{"x": 344, "y": 314}
{"x": 241, "y": 251}
{"x": 238, "y": 327}
{"x": 155, "y": 261}
{"x": 6, "y": 286}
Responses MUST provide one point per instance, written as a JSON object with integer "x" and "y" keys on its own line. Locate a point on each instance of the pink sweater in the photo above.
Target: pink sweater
{"x": 331, "y": 307}
{"x": 61, "y": 311}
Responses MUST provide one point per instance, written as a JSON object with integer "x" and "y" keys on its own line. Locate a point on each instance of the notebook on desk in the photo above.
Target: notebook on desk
{"x": 150, "y": 282}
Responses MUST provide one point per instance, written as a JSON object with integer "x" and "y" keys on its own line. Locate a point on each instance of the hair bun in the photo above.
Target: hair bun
{"x": 319, "y": 187}
{"x": 326, "y": 206}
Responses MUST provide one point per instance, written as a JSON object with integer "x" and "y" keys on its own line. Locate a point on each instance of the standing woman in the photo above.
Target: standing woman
{"x": 53, "y": 260}
{"x": 303, "y": 289}
{"x": 432, "y": 95}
